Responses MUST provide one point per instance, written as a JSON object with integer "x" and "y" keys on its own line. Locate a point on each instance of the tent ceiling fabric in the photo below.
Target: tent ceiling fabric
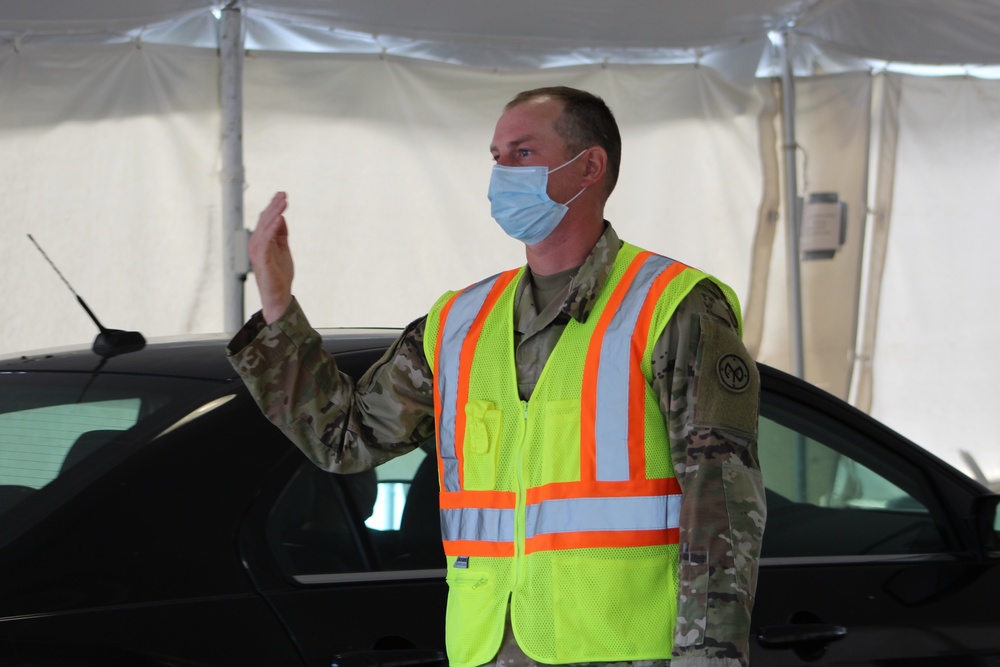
{"x": 532, "y": 34}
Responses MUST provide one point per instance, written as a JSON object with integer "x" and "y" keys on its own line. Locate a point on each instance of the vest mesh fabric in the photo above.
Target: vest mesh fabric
{"x": 592, "y": 603}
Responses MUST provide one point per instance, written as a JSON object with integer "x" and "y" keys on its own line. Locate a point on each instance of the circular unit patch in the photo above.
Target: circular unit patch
{"x": 733, "y": 373}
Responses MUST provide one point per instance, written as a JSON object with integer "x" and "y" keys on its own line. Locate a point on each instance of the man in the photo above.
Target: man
{"x": 595, "y": 415}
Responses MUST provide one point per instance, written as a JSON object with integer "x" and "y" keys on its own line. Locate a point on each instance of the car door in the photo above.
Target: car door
{"x": 869, "y": 556}
{"x": 353, "y": 564}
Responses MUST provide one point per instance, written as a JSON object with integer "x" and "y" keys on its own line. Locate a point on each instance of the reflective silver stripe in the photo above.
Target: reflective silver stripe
{"x": 611, "y": 420}
{"x": 570, "y": 515}
{"x": 463, "y": 312}
{"x": 477, "y": 524}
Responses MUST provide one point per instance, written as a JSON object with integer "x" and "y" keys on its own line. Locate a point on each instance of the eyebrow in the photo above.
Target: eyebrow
{"x": 514, "y": 142}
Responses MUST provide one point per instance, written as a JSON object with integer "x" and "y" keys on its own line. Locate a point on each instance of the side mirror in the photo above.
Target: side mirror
{"x": 987, "y": 513}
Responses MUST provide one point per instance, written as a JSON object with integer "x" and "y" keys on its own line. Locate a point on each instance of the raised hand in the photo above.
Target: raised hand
{"x": 271, "y": 259}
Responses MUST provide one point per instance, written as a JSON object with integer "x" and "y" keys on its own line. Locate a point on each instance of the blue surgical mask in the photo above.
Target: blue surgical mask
{"x": 521, "y": 205}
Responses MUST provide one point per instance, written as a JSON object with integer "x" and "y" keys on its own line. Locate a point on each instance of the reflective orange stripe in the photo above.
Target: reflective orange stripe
{"x": 588, "y": 398}
{"x": 593, "y": 489}
{"x": 465, "y": 364}
{"x": 477, "y": 548}
{"x": 637, "y": 382}
{"x": 601, "y": 539}
{"x": 501, "y": 500}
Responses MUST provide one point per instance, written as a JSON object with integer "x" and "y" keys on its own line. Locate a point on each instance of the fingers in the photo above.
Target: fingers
{"x": 279, "y": 202}
{"x": 270, "y": 225}
{"x": 272, "y": 216}
{"x": 271, "y": 258}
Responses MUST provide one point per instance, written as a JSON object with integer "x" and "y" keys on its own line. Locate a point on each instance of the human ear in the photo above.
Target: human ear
{"x": 595, "y": 166}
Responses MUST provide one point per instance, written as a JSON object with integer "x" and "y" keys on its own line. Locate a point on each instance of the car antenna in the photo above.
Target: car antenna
{"x": 110, "y": 342}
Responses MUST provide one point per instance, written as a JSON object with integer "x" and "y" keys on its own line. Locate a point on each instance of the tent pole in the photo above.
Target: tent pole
{"x": 792, "y": 213}
{"x": 234, "y": 235}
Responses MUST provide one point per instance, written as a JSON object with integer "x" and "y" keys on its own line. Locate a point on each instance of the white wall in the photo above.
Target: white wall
{"x": 935, "y": 370}
{"x": 111, "y": 160}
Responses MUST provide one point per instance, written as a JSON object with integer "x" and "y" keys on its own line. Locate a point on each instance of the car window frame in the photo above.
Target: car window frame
{"x": 781, "y": 390}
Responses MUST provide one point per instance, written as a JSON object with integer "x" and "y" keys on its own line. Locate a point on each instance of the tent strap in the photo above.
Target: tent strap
{"x": 879, "y": 238}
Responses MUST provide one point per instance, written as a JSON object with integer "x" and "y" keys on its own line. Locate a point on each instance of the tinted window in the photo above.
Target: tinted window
{"x": 34, "y": 442}
{"x": 311, "y": 529}
{"x": 385, "y": 519}
{"x": 50, "y": 422}
{"x": 831, "y": 491}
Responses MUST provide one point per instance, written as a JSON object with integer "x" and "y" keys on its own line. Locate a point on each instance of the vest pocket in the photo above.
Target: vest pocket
{"x": 609, "y": 609}
{"x": 466, "y": 580}
{"x": 482, "y": 443}
{"x": 560, "y": 451}
{"x": 475, "y": 618}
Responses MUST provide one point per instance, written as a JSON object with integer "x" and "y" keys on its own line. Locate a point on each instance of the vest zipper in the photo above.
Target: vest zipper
{"x": 520, "y": 511}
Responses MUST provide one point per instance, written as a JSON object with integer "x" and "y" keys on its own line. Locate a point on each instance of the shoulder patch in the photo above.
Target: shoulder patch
{"x": 727, "y": 392}
{"x": 734, "y": 374}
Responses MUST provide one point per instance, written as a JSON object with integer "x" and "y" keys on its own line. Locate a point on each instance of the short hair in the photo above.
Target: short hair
{"x": 584, "y": 122}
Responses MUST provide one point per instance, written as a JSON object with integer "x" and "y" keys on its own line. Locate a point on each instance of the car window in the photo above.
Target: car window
{"x": 832, "y": 491}
{"x": 310, "y": 529}
{"x": 405, "y": 523}
{"x": 381, "y": 520}
{"x": 34, "y": 442}
{"x": 50, "y": 422}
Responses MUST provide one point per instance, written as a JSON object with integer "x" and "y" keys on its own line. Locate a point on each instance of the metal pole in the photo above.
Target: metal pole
{"x": 792, "y": 213}
{"x": 792, "y": 247}
{"x": 235, "y": 261}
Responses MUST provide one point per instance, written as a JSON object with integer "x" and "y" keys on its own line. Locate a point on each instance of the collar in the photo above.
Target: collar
{"x": 588, "y": 282}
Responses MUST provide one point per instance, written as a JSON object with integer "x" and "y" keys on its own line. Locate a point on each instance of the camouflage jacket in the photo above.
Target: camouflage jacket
{"x": 712, "y": 425}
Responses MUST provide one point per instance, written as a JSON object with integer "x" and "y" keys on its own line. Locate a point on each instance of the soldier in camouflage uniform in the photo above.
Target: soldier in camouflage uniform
{"x": 707, "y": 386}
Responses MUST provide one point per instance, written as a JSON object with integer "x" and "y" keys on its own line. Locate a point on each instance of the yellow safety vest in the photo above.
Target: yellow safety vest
{"x": 565, "y": 505}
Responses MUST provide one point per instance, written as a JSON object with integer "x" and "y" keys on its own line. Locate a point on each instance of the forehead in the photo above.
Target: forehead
{"x": 533, "y": 120}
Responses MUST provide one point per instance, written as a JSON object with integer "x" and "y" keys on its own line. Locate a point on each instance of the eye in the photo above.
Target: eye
{"x": 524, "y": 152}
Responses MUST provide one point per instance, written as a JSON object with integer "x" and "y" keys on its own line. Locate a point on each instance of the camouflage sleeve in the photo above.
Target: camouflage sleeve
{"x": 708, "y": 389}
{"x": 339, "y": 426}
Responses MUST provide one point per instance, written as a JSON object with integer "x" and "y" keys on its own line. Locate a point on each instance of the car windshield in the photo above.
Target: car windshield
{"x": 50, "y": 422}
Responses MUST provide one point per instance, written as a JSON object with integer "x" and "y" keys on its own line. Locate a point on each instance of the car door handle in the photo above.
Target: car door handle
{"x": 408, "y": 657}
{"x": 797, "y": 634}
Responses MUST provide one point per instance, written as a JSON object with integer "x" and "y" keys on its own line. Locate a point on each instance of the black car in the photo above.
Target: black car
{"x": 150, "y": 515}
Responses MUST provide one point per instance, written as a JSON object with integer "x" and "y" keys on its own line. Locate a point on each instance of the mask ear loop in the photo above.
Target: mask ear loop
{"x": 574, "y": 197}
{"x": 569, "y": 162}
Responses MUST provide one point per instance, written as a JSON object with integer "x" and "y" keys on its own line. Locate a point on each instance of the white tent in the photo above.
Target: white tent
{"x": 376, "y": 115}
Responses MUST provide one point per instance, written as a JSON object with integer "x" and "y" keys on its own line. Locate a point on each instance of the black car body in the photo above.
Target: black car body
{"x": 150, "y": 515}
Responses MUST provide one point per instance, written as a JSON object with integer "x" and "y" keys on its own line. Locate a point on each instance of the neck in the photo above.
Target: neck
{"x": 567, "y": 246}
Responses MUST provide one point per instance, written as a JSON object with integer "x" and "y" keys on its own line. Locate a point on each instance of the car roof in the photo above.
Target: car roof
{"x": 198, "y": 356}
{"x": 203, "y": 356}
